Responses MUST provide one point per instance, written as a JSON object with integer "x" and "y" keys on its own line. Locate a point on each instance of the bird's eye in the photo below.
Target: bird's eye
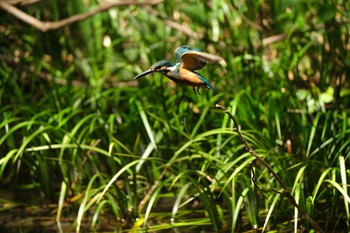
{"x": 156, "y": 68}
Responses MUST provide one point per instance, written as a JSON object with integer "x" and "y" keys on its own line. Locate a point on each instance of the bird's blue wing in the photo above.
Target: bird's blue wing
{"x": 184, "y": 49}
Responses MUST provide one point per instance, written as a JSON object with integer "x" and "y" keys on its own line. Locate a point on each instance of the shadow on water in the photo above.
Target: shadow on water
{"x": 42, "y": 219}
{"x": 21, "y": 218}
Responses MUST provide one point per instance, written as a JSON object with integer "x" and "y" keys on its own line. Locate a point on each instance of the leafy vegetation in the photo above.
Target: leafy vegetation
{"x": 115, "y": 154}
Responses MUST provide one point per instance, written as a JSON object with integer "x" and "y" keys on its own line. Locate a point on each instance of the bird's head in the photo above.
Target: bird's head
{"x": 163, "y": 66}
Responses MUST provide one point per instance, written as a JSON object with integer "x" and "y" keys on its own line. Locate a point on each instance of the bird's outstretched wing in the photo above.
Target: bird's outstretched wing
{"x": 184, "y": 49}
{"x": 194, "y": 59}
{"x": 198, "y": 60}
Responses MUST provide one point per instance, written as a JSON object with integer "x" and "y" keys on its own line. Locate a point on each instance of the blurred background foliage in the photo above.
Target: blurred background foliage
{"x": 78, "y": 132}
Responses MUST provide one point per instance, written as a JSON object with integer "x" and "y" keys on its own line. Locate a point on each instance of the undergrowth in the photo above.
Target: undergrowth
{"x": 78, "y": 132}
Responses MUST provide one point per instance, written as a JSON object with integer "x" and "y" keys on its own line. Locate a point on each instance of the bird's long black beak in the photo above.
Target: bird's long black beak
{"x": 149, "y": 71}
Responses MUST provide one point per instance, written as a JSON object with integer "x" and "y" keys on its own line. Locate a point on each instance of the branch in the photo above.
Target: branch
{"x": 246, "y": 19}
{"x": 22, "y": 2}
{"x": 286, "y": 191}
{"x": 46, "y": 26}
{"x": 177, "y": 26}
{"x": 152, "y": 189}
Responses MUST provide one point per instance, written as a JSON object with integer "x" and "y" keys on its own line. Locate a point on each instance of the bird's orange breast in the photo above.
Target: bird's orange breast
{"x": 190, "y": 78}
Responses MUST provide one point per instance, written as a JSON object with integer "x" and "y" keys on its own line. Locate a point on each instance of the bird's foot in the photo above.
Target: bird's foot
{"x": 196, "y": 91}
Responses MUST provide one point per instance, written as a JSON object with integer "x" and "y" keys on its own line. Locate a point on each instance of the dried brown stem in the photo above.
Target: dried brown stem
{"x": 286, "y": 192}
{"x": 22, "y": 2}
{"x": 46, "y": 26}
{"x": 177, "y": 26}
{"x": 152, "y": 189}
{"x": 246, "y": 19}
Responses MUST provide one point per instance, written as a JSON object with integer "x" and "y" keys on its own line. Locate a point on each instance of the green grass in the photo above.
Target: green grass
{"x": 76, "y": 131}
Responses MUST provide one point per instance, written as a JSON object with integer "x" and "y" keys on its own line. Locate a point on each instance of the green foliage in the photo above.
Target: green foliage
{"x": 77, "y": 131}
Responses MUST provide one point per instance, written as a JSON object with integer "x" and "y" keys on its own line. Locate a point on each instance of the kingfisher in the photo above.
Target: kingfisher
{"x": 188, "y": 60}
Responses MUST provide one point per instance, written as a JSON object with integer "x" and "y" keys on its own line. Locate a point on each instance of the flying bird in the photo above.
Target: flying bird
{"x": 188, "y": 61}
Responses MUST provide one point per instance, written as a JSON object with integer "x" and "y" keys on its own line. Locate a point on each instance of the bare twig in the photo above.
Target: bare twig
{"x": 246, "y": 19}
{"x": 152, "y": 189}
{"x": 258, "y": 186}
{"x": 273, "y": 39}
{"x": 186, "y": 30}
{"x": 177, "y": 26}
{"x": 286, "y": 190}
{"x": 46, "y": 26}
{"x": 22, "y": 2}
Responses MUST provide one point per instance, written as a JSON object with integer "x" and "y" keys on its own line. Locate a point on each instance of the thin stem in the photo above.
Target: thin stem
{"x": 286, "y": 190}
{"x": 46, "y": 26}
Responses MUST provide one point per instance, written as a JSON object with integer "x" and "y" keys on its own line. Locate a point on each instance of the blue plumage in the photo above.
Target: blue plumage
{"x": 184, "y": 49}
{"x": 205, "y": 81}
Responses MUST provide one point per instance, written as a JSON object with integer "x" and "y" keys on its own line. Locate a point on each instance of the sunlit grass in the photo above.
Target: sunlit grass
{"x": 78, "y": 132}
